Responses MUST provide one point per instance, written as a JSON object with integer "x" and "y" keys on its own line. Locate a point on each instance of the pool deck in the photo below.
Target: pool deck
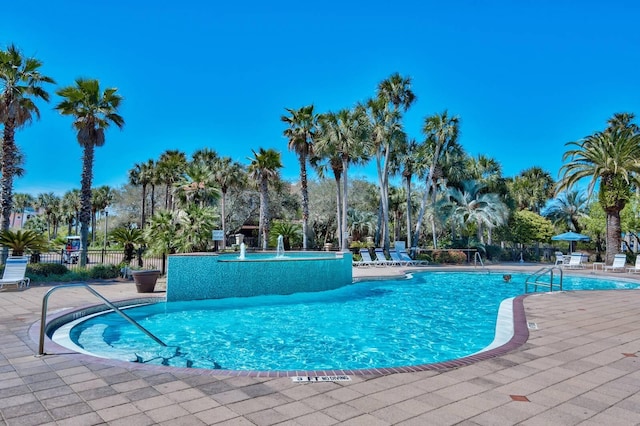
{"x": 579, "y": 365}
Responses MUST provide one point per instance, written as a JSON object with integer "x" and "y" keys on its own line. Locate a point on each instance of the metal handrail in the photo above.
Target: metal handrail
{"x": 45, "y": 301}
{"x": 478, "y": 258}
{"x": 547, "y": 270}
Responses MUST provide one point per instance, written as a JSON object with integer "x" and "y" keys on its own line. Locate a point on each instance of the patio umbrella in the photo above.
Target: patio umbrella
{"x": 571, "y": 237}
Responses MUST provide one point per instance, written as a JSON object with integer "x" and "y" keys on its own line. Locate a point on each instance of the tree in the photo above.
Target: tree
{"x": 22, "y": 84}
{"x": 343, "y": 136}
{"x": 142, "y": 175}
{"x": 528, "y": 227}
{"x": 393, "y": 94}
{"x": 301, "y": 132}
{"x": 170, "y": 167}
{"x": 196, "y": 186}
{"x": 610, "y": 158}
{"x": 48, "y": 202}
{"x": 567, "y": 209}
{"x": 128, "y": 238}
{"x": 21, "y": 202}
{"x": 532, "y": 189}
{"x": 21, "y": 241}
{"x": 265, "y": 166}
{"x": 441, "y": 131}
{"x": 101, "y": 198}
{"x": 227, "y": 174}
{"x": 93, "y": 111}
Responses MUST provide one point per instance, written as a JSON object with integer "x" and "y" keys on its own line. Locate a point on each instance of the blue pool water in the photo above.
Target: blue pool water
{"x": 431, "y": 317}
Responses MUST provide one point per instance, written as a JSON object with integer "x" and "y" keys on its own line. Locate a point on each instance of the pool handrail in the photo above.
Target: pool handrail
{"x": 45, "y": 301}
{"x": 547, "y": 270}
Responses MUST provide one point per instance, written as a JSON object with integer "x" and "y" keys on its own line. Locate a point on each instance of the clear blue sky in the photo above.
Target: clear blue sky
{"x": 525, "y": 77}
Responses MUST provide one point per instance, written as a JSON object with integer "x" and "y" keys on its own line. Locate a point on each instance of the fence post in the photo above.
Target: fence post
{"x": 102, "y": 256}
{"x": 164, "y": 263}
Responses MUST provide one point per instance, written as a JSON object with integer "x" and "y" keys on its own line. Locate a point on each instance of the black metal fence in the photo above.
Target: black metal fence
{"x": 98, "y": 257}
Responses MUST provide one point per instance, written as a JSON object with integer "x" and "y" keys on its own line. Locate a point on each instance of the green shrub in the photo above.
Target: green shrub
{"x": 449, "y": 256}
{"x": 46, "y": 269}
{"x": 102, "y": 272}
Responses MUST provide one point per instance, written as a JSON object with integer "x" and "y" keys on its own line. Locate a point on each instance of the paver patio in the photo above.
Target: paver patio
{"x": 580, "y": 365}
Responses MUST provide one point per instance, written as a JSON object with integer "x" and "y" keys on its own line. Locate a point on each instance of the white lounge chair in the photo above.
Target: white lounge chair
{"x": 575, "y": 261}
{"x": 559, "y": 258}
{"x": 366, "y": 258}
{"x": 395, "y": 257}
{"x": 619, "y": 261}
{"x": 405, "y": 256}
{"x": 635, "y": 268}
{"x": 14, "y": 271}
{"x": 381, "y": 259}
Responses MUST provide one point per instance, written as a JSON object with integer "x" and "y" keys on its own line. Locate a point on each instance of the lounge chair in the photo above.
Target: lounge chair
{"x": 381, "y": 259}
{"x": 14, "y": 270}
{"x": 395, "y": 257}
{"x": 635, "y": 268}
{"x": 619, "y": 261}
{"x": 405, "y": 256}
{"x": 575, "y": 261}
{"x": 559, "y": 258}
{"x": 366, "y": 258}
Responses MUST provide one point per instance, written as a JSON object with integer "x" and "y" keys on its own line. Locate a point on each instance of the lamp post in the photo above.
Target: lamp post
{"x": 106, "y": 227}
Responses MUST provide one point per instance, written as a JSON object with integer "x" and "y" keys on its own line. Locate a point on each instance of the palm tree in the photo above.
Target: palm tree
{"x": 20, "y": 204}
{"x": 22, "y": 84}
{"x": 610, "y": 158}
{"x": 343, "y": 135}
{"x": 532, "y": 189}
{"x": 93, "y": 111}
{"x": 265, "y": 166}
{"x": 128, "y": 238}
{"x": 441, "y": 132}
{"x": 472, "y": 206}
{"x": 142, "y": 175}
{"x": 567, "y": 209}
{"x": 196, "y": 186}
{"x": 227, "y": 174}
{"x": 170, "y": 167}
{"x": 301, "y": 132}
{"x": 69, "y": 209}
{"x": 49, "y": 203}
{"x": 101, "y": 198}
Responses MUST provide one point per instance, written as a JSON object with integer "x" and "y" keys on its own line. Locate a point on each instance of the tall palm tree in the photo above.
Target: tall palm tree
{"x": 385, "y": 132}
{"x": 395, "y": 95}
{"x": 142, "y": 175}
{"x": 610, "y": 158}
{"x": 93, "y": 111}
{"x": 20, "y": 204}
{"x": 170, "y": 167}
{"x": 408, "y": 158}
{"x": 344, "y": 135}
{"x": 69, "y": 209}
{"x": 301, "y": 132}
{"x": 227, "y": 174}
{"x": 101, "y": 198}
{"x": 264, "y": 167}
{"x": 441, "y": 131}
{"x": 22, "y": 84}
{"x": 49, "y": 203}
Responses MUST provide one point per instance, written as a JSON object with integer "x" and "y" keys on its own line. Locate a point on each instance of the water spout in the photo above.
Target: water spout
{"x": 280, "y": 247}
{"x": 243, "y": 251}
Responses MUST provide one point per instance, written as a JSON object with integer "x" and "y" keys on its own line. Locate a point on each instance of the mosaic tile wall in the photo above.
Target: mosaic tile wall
{"x": 209, "y": 276}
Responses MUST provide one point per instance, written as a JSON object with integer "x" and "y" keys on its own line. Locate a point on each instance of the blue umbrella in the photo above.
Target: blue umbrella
{"x": 571, "y": 237}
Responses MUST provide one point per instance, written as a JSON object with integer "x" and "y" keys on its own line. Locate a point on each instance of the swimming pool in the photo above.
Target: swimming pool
{"x": 430, "y": 317}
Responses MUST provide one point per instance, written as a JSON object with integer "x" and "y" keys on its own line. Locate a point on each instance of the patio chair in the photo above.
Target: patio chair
{"x": 619, "y": 261}
{"x": 395, "y": 257}
{"x": 575, "y": 261}
{"x": 635, "y": 268}
{"x": 405, "y": 256}
{"x": 366, "y": 258}
{"x": 14, "y": 270}
{"x": 559, "y": 258}
{"x": 381, "y": 259}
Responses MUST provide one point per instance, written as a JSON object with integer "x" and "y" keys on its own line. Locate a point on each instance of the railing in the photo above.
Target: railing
{"x": 477, "y": 258}
{"x": 535, "y": 279}
{"x": 97, "y": 257}
{"x": 45, "y": 301}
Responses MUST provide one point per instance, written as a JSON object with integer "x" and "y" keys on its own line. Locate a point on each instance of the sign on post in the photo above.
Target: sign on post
{"x": 218, "y": 235}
